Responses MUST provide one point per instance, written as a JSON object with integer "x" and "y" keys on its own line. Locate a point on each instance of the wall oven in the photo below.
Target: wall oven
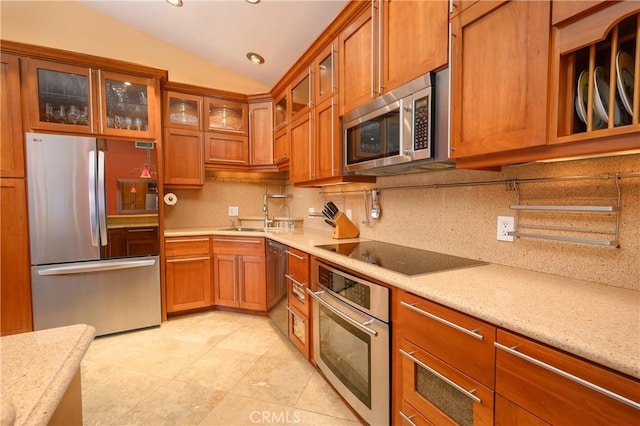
{"x": 351, "y": 339}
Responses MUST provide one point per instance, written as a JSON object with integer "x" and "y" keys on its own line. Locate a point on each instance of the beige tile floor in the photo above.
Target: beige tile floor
{"x": 213, "y": 368}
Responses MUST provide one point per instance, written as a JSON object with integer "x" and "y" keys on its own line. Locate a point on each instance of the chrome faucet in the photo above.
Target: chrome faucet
{"x": 265, "y": 209}
{"x": 289, "y": 219}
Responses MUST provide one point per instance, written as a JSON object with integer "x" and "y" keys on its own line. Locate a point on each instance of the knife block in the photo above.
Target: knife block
{"x": 344, "y": 227}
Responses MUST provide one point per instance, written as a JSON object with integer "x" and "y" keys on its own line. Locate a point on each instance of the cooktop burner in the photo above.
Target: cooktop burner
{"x": 406, "y": 260}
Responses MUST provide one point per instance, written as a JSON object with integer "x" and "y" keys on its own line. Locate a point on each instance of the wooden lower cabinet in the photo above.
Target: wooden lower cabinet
{"x": 188, "y": 273}
{"x": 443, "y": 364}
{"x": 509, "y": 414}
{"x": 132, "y": 242}
{"x": 15, "y": 281}
{"x": 239, "y": 273}
{"x": 561, "y": 389}
{"x": 299, "y": 304}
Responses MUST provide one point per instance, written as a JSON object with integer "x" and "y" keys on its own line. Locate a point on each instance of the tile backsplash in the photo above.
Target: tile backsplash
{"x": 458, "y": 220}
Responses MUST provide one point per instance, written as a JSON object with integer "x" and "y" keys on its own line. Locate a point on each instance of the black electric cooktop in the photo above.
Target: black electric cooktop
{"x": 406, "y": 260}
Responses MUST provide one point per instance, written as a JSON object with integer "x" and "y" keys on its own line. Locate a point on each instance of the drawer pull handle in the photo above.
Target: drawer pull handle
{"x": 471, "y": 333}
{"x": 468, "y": 393}
{"x": 291, "y": 311}
{"x": 141, "y": 230}
{"x": 407, "y": 418}
{"x": 229, "y": 240}
{"x": 290, "y": 278}
{"x": 190, "y": 240}
{"x": 189, "y": 259}
{"x": 294, "y": 255}
{"x": 513, "y": 351}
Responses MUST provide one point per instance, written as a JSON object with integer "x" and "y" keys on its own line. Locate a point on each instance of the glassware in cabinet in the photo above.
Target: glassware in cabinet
{"x": 223, "y": 115}
{"x": 182, "y": 111}
{"x": 62, "y": 96}
{"x": 125, "y": 105}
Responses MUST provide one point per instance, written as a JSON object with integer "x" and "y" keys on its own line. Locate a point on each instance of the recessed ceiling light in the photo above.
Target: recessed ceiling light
{"x": 176, "y": 3}
{"x": 253, "y": 1}
{"x": 255, "y": 58}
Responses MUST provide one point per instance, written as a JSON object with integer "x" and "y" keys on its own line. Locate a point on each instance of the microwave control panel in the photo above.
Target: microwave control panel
{"x": 421, "y": 123}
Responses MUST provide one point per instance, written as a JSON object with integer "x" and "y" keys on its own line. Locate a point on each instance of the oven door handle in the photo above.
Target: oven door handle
{"x": 361, "y": 326}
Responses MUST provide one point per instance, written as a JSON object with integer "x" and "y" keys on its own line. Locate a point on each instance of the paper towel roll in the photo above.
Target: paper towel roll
{"x": 170, "y": 199}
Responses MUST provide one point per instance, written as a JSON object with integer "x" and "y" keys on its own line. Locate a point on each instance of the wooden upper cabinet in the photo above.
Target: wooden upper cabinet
{"x": 227, "y": 149}
{"x": 281, "y": 110}
{"x": 390, "y": 43}
{"x": 415, "y": 39}
{"x": 183, "y": 157}
{"x": 563, "y": 10}
{"x": 182, "y": 111}
{"x": 358, "y": 63}
{"x": 127, "y": 105}
{"x": 302, "y": 97}
{"x": 281, "y": 147}
{"x": 326, "y": 142}
{"x": 222, "y": 115}
{"x": 261, "y": 133}
{"x": 300, "y": 160}
{"x": 499, "y": 78}
{"x": 595, "y": 86}
{"x": 325, "y": 73}
{"x": 59, "y": 97}
{"x": 76, "y": 99}
{"x": 11, "y": 137}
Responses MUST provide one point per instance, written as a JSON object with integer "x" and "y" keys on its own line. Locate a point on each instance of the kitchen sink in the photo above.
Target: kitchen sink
{"x": 251, "y": 229}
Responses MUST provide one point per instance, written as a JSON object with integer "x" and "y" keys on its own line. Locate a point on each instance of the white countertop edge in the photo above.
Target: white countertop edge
{"x": 531, "y": 308}
{"x": 43, "y": 409}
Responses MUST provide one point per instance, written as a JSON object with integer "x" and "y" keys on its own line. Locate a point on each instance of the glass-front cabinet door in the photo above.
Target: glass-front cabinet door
{"x": 281, "y": 111}
{"x": 325, "y": 74}
{"x": 227, "y": 116}
{"x": 182, "y": 111}
{"x": 60, "y": 96}
{"x": 301, "y": 96}
{"x": 125, "y": 104}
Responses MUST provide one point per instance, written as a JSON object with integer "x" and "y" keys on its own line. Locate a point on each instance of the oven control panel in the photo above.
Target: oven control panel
{"x": 356, "y": 291}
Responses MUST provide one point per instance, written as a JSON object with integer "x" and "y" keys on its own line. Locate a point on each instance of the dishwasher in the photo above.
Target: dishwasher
{"x": 277, "y": 265}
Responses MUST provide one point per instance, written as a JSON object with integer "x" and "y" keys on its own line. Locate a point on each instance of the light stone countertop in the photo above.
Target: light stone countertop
{"x": 594, "y": 321}
{"x": 37, "y": 368}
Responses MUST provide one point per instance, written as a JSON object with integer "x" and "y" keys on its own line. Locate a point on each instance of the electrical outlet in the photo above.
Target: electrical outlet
{"x": 505, "y": 225}
{"x": 348, "y": 213}
{"x": 311, "y": 211}
{"x": 233, "y": 210}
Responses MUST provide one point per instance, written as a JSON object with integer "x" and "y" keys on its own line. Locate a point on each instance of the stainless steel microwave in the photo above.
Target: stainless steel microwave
{"x": 402, "y": 129}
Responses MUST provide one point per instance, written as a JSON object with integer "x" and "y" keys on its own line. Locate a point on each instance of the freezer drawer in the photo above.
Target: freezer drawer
{"x": 111, "y": 295}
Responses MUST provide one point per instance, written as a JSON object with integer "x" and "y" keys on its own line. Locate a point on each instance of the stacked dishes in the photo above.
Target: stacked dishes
{"x": 623, "y": 109}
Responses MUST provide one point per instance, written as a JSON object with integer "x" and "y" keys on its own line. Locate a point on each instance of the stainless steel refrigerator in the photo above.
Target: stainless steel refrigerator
{"x": 70, "y": 281}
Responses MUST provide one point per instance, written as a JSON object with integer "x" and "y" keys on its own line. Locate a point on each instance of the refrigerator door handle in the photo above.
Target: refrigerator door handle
{"x": 95, "y": 267}
{"x": 102, "y": 210}
{"x": 93, "y": 215}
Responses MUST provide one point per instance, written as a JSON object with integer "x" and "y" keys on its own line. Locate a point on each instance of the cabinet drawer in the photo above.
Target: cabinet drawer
{"x": 239, "y": 245}
{"x": 186, "y": 246}
{"x": 460, "y": 340}
{"x": 297, "y": 291}
{"x": 560, "y": 388}
{"x": 299, "y": 330}
{"x": 411, "y": 417}
{"x": 441, "y": 393}
{"x": 298, "y": 264}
